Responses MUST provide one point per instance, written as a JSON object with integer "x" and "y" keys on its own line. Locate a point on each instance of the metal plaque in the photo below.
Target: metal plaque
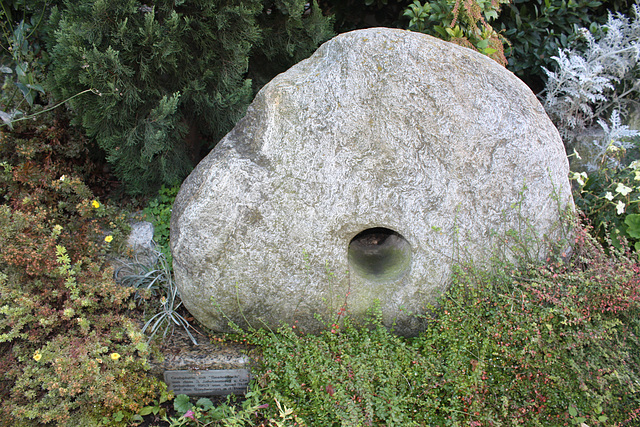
{"x": 208, "y": 382}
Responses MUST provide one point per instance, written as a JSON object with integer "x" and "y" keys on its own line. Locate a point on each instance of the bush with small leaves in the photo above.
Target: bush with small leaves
{"x": 610, "y": 198}
{"x": 69, "y": 352}
{"x": 552, "y": 344}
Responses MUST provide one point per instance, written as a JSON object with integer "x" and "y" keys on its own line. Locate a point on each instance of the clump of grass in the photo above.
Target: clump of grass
{"x": 156, "y": 281}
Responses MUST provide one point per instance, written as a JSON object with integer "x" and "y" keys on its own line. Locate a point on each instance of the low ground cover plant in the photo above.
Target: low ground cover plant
{"x": 552, "y": 344}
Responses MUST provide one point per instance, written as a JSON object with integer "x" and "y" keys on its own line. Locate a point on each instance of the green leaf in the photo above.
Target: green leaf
{"x": 182, "y": 403}
{"x": 633, "y": 222}
{"x": 146, "y": 410}
{"x": 21, "y": 70}
{"x": 204, "y": 403}
{"x": 573, "y": 411}
{"x": 483, "y": 44}
{"x": 26, "y": 92}
{"x": 36, "y": 87}
{"x": 490, "y": 15}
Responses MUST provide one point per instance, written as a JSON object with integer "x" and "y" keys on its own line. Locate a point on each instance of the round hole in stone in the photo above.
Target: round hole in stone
{"x": 379, "y": 254}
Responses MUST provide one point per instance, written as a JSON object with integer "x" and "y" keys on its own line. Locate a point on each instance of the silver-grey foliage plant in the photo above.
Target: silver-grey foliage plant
{"x": 596, "y": 79}
{"x": 156, "y": 276}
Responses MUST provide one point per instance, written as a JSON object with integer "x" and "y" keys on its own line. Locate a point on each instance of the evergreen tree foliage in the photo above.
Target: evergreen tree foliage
{"x": 169, "y": 77}
{"x": 291, "y": 30}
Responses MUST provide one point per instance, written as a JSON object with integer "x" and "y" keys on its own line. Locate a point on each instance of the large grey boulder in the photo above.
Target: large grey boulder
{"x": 360, "y": 175}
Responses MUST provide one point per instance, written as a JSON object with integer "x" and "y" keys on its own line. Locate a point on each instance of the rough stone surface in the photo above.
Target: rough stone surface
{"x": 141, "y": 236}
{"x": 142, "y": 251}
{"x": 179, "y": 353}
{"x": 420, "y": 151}
{"x": 141, "y": 242}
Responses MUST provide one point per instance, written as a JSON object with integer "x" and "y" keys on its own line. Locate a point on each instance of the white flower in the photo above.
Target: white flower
{"x": 623, "y": 189}
{"x": 62, "y": 178}
{"x": 620, "y": 207}
{"x": 580, "y": 177}
{"x": 637, "y": 177}
{"x": 609, "y": 195}
{"x": 635, "y": 164}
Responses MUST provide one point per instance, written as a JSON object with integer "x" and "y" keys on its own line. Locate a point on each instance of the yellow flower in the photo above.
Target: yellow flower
{"x": 108, "y": 239}
{"x": 37, "y": 356}
{"x": 95, "y": 204}
{"x": 114, "y": 356}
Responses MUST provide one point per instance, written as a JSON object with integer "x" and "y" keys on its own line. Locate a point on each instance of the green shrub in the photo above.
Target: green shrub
{"x": 610, "y": 198}
{"x": 596, "y": 78}
{"x": 69, "y": 352}
{"x": 169, "y": 79}
{"x": 350, "y": 15}
{"x": 158, "y": 212}
{"x": 23, "y": 59}
{"x": 63, "y": 325}
{"x": 291, "y": 30}
{"x": 348, "y": 375}
{"x": 551, "y": 345}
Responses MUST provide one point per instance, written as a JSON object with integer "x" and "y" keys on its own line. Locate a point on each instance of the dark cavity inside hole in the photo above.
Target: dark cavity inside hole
{"x": 379, "y": 254}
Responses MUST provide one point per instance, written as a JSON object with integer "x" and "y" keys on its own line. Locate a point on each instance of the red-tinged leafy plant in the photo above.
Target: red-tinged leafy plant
{"x": 550, "y": 345}
{"x": 69, "y": 352}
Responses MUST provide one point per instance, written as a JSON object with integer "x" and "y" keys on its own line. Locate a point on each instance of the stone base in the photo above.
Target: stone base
{"x": 206, "y": 369}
